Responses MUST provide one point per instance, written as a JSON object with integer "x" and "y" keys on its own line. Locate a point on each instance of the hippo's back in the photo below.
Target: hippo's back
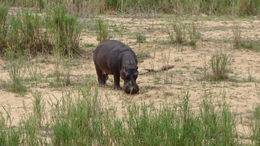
{"x": 108, "y": 55}
{"x": 111, "y": 46}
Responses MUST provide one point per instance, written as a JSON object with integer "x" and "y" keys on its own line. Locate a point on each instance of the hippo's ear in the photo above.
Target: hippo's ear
{"x": 136, "y": 67}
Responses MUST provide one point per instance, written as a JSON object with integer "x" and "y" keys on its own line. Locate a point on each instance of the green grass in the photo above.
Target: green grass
{"x": 65, "y": 30}
{"x": 256, "y": 126}
{"x": 3, "y": 17}
{"x": 184, "y": 34}
{"x": 86, "y": 7}
{"x": 219, "y": 64}
{"x": 140, "y": 38}
{"x": 101, "y": 31}
{"x": 15, "y": 83}
{"x": 29, "y": 32}
{"x": 78, "y": 119}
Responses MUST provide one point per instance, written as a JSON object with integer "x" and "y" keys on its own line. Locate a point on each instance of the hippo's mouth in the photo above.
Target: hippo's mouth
{"x": 130, "y": 88}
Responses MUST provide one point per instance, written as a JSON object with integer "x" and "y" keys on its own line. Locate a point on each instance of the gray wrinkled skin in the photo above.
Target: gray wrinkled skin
{"x": 115, "y": 58}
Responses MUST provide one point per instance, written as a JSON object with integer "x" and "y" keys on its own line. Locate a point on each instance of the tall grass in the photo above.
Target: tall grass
{"x": 219, "y": 64}
{"x": 101, "y": 31}
{"x": 256, "y": 126}
{"x": 78, "y": 118}
{"x": 3, "y": 26}
{"x": 64, "y": 30}
{"x": 214, "y": 7}
{"x": 28, "y": 32}
{"x": 24, "y": 34}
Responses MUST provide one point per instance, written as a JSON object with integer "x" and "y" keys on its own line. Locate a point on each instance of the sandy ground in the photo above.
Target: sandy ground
{"x": 170, "y": 85}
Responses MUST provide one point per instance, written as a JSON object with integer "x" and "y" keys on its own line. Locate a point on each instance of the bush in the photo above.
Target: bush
{"x": 102, "y": 31}
{"x": 219, "y": 64}
{"x": 64, "y": 30}
{"x": 29, "y": 33}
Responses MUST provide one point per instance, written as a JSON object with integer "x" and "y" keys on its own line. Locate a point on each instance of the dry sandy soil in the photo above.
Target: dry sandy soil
{"x": 215, "y": 34}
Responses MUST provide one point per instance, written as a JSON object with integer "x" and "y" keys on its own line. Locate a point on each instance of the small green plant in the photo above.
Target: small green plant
{"x": 256, "y": 126}
{"x": 171, "y": 37}
{"x": 179, "y": 33}
{"x": 38, "y": 108}
{"x": 33, "y": 70}
{"x": 140, "y": 38}
{"x": 193, "y": 35}
{"x": 9, "y": 135}
{"x": 219, "y": 63}
{"x": 16, "y": 84}
{"x": 102, "y": 31}
{"x": 236, "y": 38}
{"x": 184, "y": 34}
{"x": 3, "y": 26}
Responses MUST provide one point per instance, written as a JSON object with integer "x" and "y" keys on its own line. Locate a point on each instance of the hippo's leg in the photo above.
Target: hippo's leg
{"x": 101, "y": 77}
{"x": 117, "y": 81}
{"x": 104, "y": 78}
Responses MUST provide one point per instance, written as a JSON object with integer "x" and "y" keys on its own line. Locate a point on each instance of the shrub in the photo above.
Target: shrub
{"x": 179, "y": 33}
{"x": 24, "y": 34}
{"x": 102, "y": 31}
{"x": 219, "y": 64}
{"x": 64, "y": 29}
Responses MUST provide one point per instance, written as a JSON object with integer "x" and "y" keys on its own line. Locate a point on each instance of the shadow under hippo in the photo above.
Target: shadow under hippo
{"x": 114, "y": 57}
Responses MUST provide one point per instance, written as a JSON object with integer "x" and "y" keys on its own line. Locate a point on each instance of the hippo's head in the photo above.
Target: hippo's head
{"x": 129, "y": 75}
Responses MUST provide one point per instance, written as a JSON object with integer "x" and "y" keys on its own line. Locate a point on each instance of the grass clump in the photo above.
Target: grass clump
{"x": 219, "y": 63}
{"x": 256, "y": 126}
{"x": 9, "y": 136}
{"x": 219, "y": 66}
{"x": 65, "y": 30}
{"x": 236, "y": 38}
{"x": 102, "y": 31}
{"x": 194, "y": 35}
{"x": 16, "y": 82}
{"x": 24, "y": 34}
{"x": 3, "y": 26}
{"x": 78, "y": 118}
{"x": 184, "y": 34}
{"x": 28, "y": 32}
{"x": 140, "y": 38}
{"x": 179, "y": 33}
{"x": 16, "y": 85}
{"x": 239, "y": 43}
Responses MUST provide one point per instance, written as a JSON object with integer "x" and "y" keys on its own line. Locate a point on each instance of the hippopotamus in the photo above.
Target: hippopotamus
{"x": 116, "y": 58}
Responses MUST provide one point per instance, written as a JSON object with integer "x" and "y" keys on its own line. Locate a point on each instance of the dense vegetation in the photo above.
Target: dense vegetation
{"x": 78, "y": 119}
{"x": 216, "y": 7}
